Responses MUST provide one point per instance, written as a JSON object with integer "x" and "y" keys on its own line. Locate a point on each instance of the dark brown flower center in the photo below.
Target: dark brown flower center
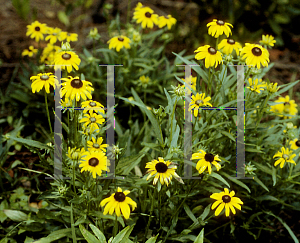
{"x": 76, "y": 83}
{"x": 66, "y": 56}
{"x": 198, "y": 102}
{"x": 209, "y": 157}
{"x": 37, "y": 28}
{"x": 286, "y": 103}
{"x": 230, "y": 41}
{"x": 220, "y": 22}
{"x": 226, "y": 199}
{"x": 161, "y": 167}
{"x": 298, "y": 143}
{"x": 256, "y": 51}
{"x": 148, "y": 15}
{"x": 212, "y": 50}
{"x": 120, "y": 39}
{"x": 119, "y": 196}
{"x": 92, "y": 103}
{"x": 92, "y": 119}
{"x": 44, "y": 77}
{"x": 96, "y": 145}
{"x": 93, "y": 161}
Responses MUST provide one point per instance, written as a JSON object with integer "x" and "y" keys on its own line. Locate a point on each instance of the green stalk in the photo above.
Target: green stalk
{"x": 173, "y": 113}
{"x": 72, "y": 225}
{"x": 74, "y": 177}
{"x": 159, "y": 208}
{"x": 115, "y": 229}
{"x": 261, "y": 113}
{"x": 48, "y": 114}
{"x": 149, "y": 220}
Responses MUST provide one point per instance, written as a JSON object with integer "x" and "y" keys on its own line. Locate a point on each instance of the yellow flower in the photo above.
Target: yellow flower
{"x": 287, "y": 107}
{"x": 67, "y": 60}
{"x": 166, "y": 20}
{"x": 256, "y": 85}
{"x": 272, "y": 87}
{"x": 75, "y": 154}
{"x": 205, "y": 161}
{"x": 53, "y": 35}
{"x": 96, "y": 145}
{"x": 267, "y": 40}
{"x": 228, "y": 45}
{"x": 218, "y": 27}
{"x": 227, "y": 200}
{"x": 198, "y": 100}
{"x": 211, "y": 55}
{"x": 43, "y": 80}
{"x": 94, "y": 162}
{"x": 68, "y": 36}
{"x": 193, "y": 82}
{"x": 30, "y": 51}
{"x": 144, "y": 81}
{"x": 92, "y": 120}
{"x": 285, "y": 156}
{"x": 163, "y": 171}
{"x": 119, "y": 42}
{"x": 75, "y": 87}
{"x": 48, "y": 53}
{"x": 145, "y": 16}
{"x": 255, "y": 55}
{"x": 36, "y": 31}
{"x": 295, "y": 144}
{"x": 119, "y": 203}
{"x": 92, "y": 105}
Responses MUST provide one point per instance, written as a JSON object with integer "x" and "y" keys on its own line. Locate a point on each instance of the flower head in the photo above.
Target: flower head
{"x": 67, "y": 59}
{"x": 192, "y": 81}
{"x": 145, "y": 16}
{"x": 36, "y": 31}
{"x": 162, "y": 171}
{"x": 198, "y": 100}
{"x": 92, "y": 105}
{"x": 119, "y": 42}
{"x": 272, "y": 87}
{"x": 287, "y": 106}
{"x": 255, "y": 55}
{"x": 76, "y": 88}
{"x": 96, "y": 145}
{"x": 285, "y": 156}
{"x": 228, "y": 45}
{"x": 166, "y": 20}
{"x": 54, "y": 34}
{"x": 211, "y": 55}
{"x": 218, "y": 27}
{"x": 30, "y": 51}
{"x": 94, "y": 162}
{"x": 267, "y": 40}
{"x": 256, "y": 85}
{"x": 119, "y": 203}
{"x": 68, "y": 36}
{"x": 227, "y": 200}
{"x": 43, "y": 80}
{"x": 205, "y": 161}
{"x": 295, "y": 144}
{"x": 75, "y": 153}
{"x": 92, "y": 120}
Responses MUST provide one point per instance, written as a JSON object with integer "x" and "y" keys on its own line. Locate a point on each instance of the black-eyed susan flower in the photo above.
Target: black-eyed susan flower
{"x": 96, "y": 145}
{"x": 145, "y": 16}
{"x": 228, "y": 45}
{"x": 48, "y": 53}
{"x": 272, "y": 87}
{"x": 75, "y": 153}
{"x": 295, "y": 144}
{"x": 284, "y": 156}
{"x": 205, "y": 161}
{"x": 92, "y": 105}
{"x": 95, "y": 162}
{"x": 163, "y": 171}
{"x": 68, "y": 36}
{"x": 287, "y": 106}
{"x": 119, "y": 203}
{"x": 92, "y": 120}
{"x": 166, "y": 21}
{"x": 267, "y": 40}
{"x": 255, "y": 55}
{"x": 76, "y": 88}
{"x": 36, "y": 31}
{"x": 218, "y": 27}
{"x": 29, "y": 52}
{"x": 211, "y": 55}
{"x": 43, "y": 80}
{"x": 256, "y": 85}
{"x": 67, "y": 60}
{"x": 54, "y": 34}
{"x": 119, "y": 42}
{"x": 198, "y": 100}
{"x": 227, "y": 200}
{"x": 192, "y": 80}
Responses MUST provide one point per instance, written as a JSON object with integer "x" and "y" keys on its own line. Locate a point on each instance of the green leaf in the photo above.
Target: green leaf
{"x": 189, "y": 213}
{"x": 31, "y": 143}
{"x": 63, "y": 18}
{"x": 58, "y": 234}
{"x": 288, "y": 86}
{"x": 228, "y": 135}
{"x": 88, "y": 236}
{"x": 263, "y": 168}
{"x": 98, "y": 233}
{"x": 261, "y": 183}
{"x": 220, "y": 178}
{"x": 119, "y": 237}
{"x": 274, "y": 171}
{"x": 152, "y": 239}
{"x": 200, "y": 237}
{"x": 15, "y": 215}
{"x": 236, "y": 181}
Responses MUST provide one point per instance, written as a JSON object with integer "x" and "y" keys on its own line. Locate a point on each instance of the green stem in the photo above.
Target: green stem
{"x": 262, "y": 111}
{"x": 173, "y": 113}
{"x": 159, "y": 208}
{"x": 247, "y": 73}
{"x": 115, "y": 229}
{"x": 217, "y": 42}
{"x": 149, "y": 220}
{"x": 74, "y": 177}
{"x": 210, "y": 80}
{"x": 48, "y": 114}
